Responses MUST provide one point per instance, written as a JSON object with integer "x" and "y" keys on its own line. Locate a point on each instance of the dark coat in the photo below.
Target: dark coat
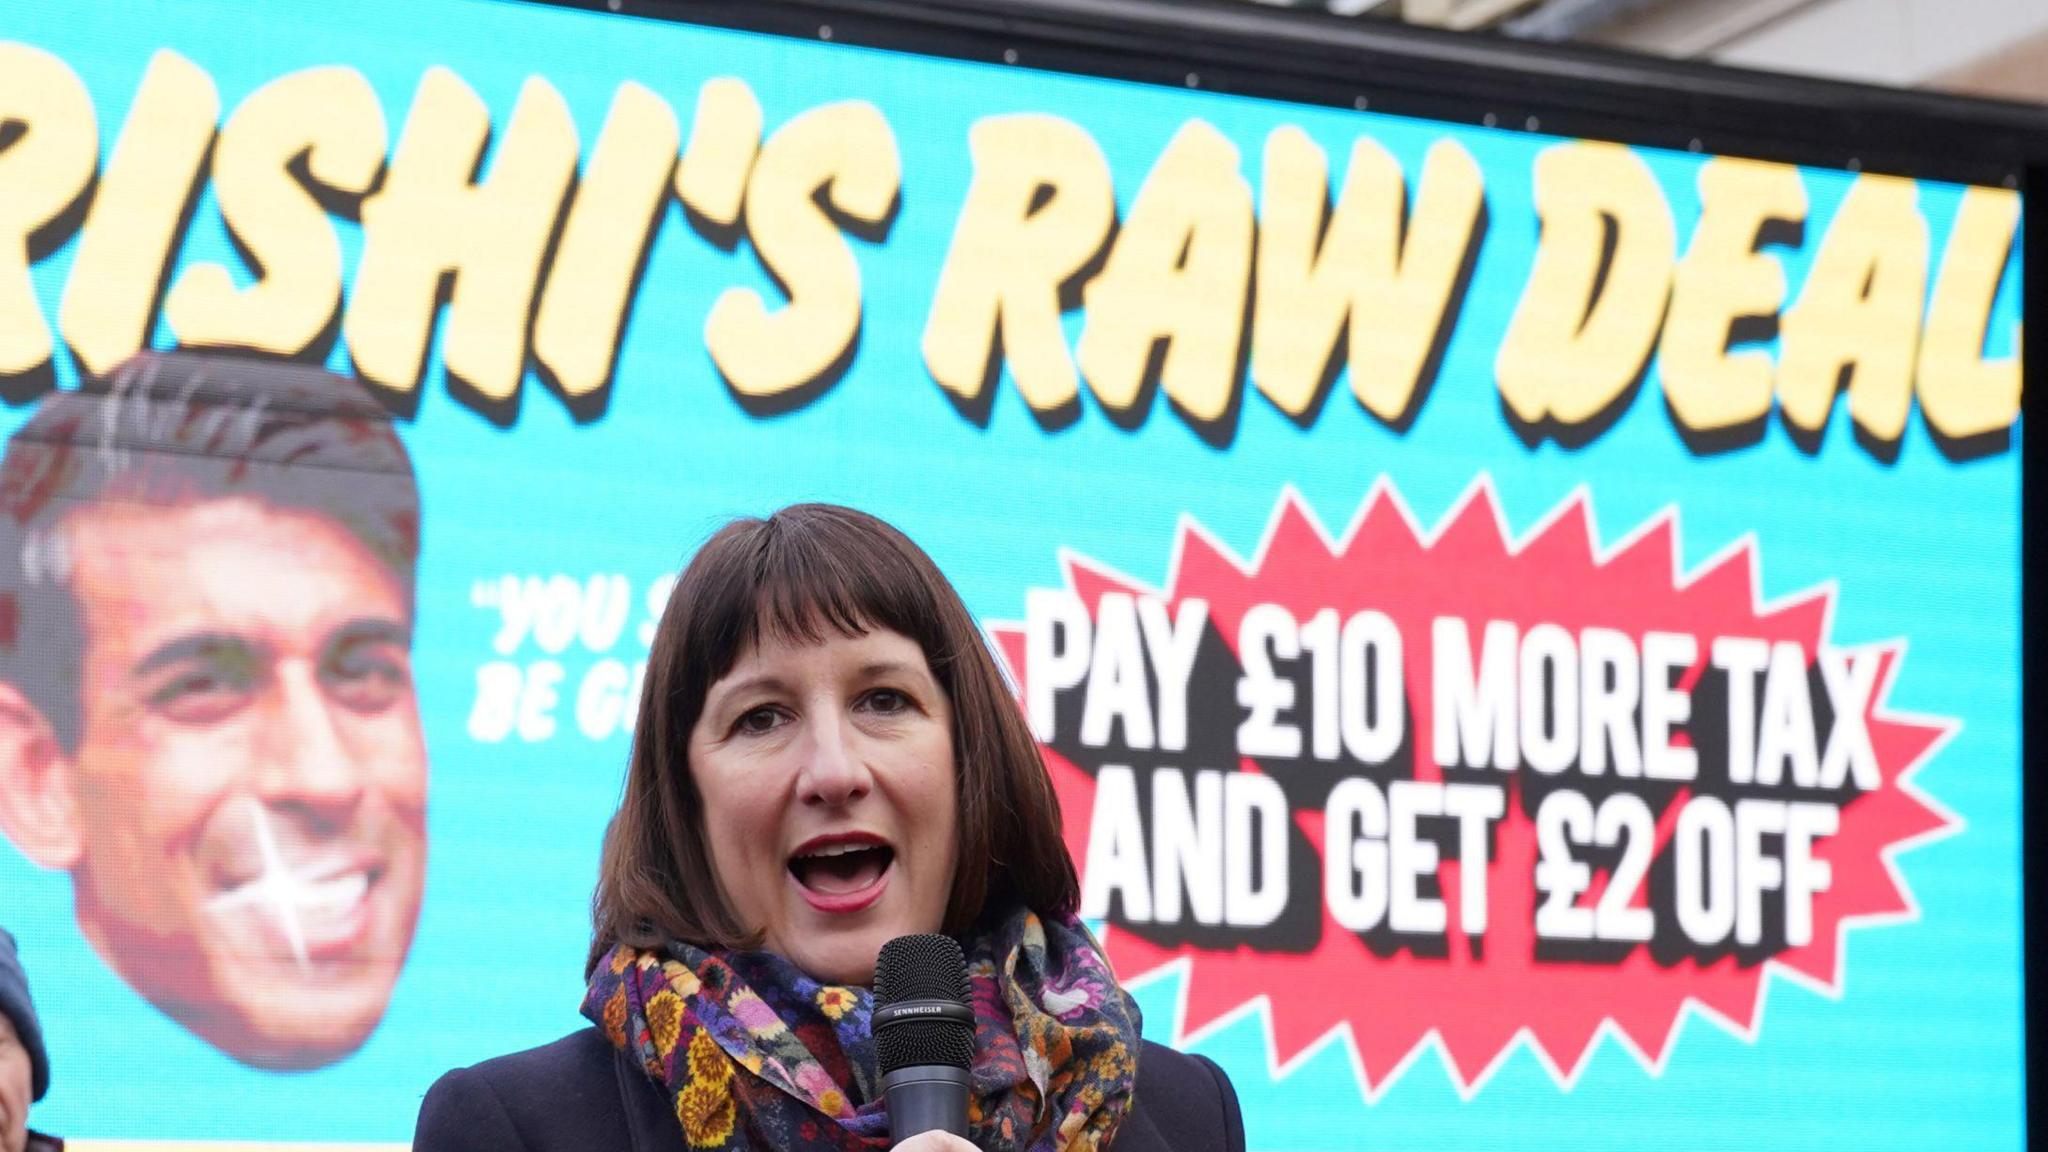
{"x": 580, "y": 1094}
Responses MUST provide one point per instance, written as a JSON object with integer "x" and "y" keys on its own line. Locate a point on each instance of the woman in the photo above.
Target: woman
{"x": 827, "y": 758}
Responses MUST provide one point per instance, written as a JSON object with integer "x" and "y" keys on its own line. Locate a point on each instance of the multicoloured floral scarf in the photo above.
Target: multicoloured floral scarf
{"x": 757, "y": 1055}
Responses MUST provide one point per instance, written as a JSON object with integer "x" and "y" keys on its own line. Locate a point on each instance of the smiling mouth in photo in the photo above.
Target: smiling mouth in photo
{"x": 312, "y": 914}
{"x": 840, "y": 869}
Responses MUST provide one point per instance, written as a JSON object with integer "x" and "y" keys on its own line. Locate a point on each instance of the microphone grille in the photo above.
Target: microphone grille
{"x": 926, "y": 966}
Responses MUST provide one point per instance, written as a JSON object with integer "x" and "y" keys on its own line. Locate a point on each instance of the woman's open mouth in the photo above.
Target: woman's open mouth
{"x": 842, "y": 873}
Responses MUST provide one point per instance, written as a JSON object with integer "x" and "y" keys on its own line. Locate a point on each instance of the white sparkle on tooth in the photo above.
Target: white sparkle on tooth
{"x": 278, "y": 889}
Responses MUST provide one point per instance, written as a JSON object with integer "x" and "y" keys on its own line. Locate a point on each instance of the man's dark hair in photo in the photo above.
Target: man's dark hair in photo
{"x": 176, "y": 427}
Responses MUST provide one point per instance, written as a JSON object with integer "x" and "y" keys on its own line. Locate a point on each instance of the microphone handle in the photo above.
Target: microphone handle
{"x": 925, "y": 1098}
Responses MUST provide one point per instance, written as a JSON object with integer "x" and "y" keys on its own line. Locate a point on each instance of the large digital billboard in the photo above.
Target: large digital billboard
{"x": 1526, "y": 630}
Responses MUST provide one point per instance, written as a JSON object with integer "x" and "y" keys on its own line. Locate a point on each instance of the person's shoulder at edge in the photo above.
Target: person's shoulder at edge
{"x": 1186, "y": 1100}
{"x": 560, "y": 1095}
{"x": 20, "y": 1009}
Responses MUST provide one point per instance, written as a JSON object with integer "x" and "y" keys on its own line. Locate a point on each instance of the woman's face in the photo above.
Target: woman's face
{"x": 826, "y": 772}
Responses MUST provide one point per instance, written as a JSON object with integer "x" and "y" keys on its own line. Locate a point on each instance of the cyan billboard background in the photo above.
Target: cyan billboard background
{"x": 1923, "y": 1048}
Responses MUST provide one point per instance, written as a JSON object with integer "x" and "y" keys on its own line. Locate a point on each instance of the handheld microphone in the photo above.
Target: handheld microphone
{"x": 924, "y": 1034}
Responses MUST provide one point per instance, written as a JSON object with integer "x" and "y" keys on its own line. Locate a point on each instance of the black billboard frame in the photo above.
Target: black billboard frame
{"x": 1483, "y": 79}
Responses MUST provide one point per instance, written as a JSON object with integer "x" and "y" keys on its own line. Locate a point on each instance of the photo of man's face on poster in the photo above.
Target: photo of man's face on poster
{"x": 207, "y": 709}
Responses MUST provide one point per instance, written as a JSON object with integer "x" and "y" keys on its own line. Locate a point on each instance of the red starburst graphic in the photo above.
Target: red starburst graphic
{"x": 1476, "y": 1000}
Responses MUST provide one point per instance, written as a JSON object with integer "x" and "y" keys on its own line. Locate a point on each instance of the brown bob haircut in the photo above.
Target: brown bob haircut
{"x": 798, "y": 575}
